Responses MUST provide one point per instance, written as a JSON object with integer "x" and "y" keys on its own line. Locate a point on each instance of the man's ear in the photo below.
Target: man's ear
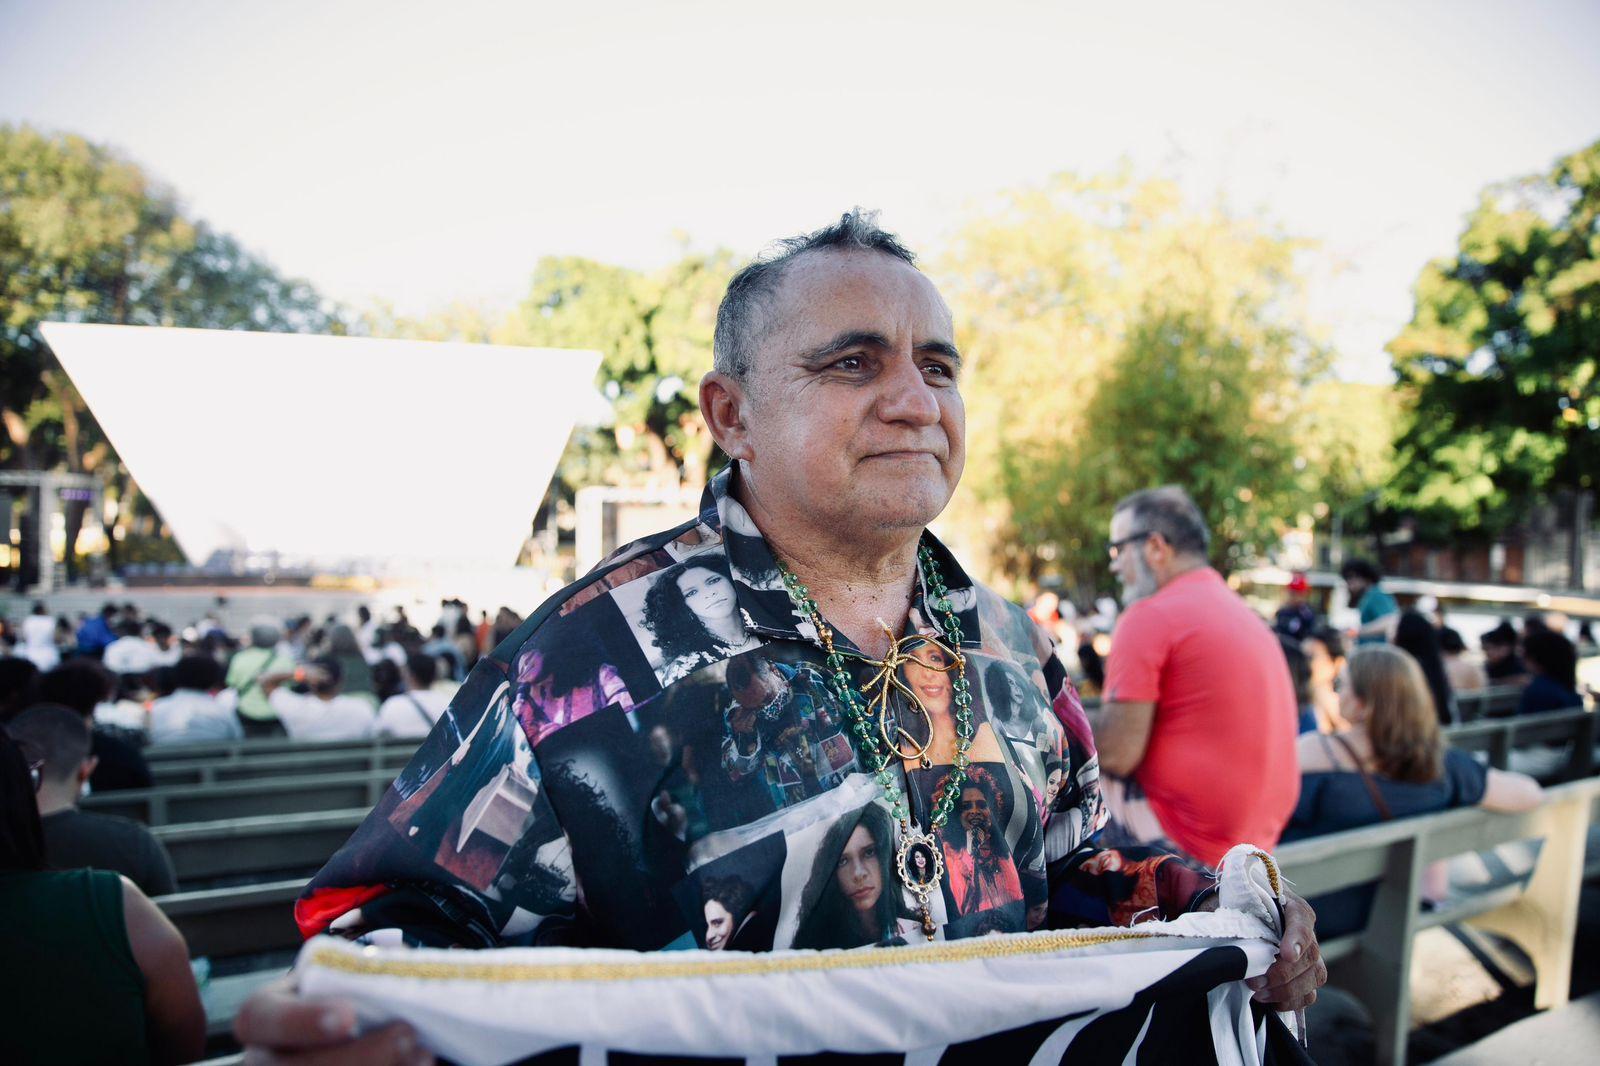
{"x": 724, "y": 404}
{"x": 86, "y": 768}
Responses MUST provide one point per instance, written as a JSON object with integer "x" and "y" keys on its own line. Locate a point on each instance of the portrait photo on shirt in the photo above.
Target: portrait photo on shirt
{"x": 567, "y": 672}
{"x": 602, "y": 776}
{"x": 980, "y": 867}
{"x": 742, "y": 739}
{"x": 853, "y": 896}
{"x": 731, "y": 903}
{"x": 928, "y": 699}
{"x": 685, "y": 617}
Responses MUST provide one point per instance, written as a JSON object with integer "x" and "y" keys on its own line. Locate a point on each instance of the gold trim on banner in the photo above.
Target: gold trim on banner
{"x": 465, "y": 970}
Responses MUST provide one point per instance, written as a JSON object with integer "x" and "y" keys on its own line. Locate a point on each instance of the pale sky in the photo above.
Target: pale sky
{"x": 423, "y": 153}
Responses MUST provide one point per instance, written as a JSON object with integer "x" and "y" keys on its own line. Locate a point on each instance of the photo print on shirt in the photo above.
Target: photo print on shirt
{"x": 731, "y": 903}
{"x": 686, "y": 617}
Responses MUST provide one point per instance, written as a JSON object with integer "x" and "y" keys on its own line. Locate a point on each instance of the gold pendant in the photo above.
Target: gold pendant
{"x": 920, "y": 865}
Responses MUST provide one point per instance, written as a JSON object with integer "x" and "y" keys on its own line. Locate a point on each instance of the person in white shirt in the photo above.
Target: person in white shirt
{"x": 39, "y": 639}
{"x": 324, "y": 713}
{"x": 414, "y": 712}
{"x": 193, "y": 712}
{"x": 130, "y": 653}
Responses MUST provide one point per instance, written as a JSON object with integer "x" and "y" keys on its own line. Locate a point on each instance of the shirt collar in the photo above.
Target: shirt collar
{"x": 758, "y": 583}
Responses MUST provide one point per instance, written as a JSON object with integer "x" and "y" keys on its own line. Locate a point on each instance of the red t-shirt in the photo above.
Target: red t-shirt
{"x": 1220, "y": 768}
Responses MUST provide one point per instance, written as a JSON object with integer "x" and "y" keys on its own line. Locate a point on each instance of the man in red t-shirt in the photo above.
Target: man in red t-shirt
{"x": 1197, "y": 731}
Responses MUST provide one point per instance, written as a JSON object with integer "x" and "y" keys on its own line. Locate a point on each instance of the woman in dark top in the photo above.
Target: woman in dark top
{"x": 1416, "y": 636}
{"x": 1391, "y": 763}
{"x": 1553, "y": 662}
{"x": 105, "y": 977}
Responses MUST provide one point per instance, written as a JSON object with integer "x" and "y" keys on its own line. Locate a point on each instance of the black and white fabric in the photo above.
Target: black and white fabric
{"x": 1157, "y": 992}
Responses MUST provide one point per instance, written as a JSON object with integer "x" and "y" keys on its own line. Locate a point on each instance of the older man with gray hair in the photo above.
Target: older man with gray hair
{"x": 1197, "y": 731}
{"x": 528, "y": 814}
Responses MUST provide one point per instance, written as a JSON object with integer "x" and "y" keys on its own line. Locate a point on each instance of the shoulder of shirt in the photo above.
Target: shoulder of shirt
{"x": 549, "y": 620}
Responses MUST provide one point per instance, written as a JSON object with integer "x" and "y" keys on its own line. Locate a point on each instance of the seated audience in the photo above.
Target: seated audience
{"x": 324, "y": 712}
{"x": 81, "y": 685}
{"x": 1324, "y": 649}
{"x": 414, "y": 711}
{"x": 1300, "y": 674}
{"x": 1391, "y": 763}
{"x": 100, "y": 974}
{"x": 75, "y": 838}
{"x": 38, "y": 644}
{"x": 1464, "y": 674}
{"x": 1417, "y": 637}
{"x": 246, "y": 670}
{"x": 1296, "y": 618}
{"x": 130, "y": 653}
{"x": 1553, "y": 662}
{"x": 1501, "y": 662}
{"x": 344, "y": 648}
{"x": 193, "y": 711}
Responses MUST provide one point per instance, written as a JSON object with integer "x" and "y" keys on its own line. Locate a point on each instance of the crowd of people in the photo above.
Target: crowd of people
{"x": 1319, "y": 728}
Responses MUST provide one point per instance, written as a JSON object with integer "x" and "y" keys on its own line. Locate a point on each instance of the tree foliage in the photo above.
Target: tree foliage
{"x": 654, "y": 331}
{"x": 1497, "y": 366}
{"x": 87, "y": 236}
{"x": 1119, "y": 340}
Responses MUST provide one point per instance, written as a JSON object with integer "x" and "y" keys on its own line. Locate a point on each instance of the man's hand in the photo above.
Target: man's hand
{"x": 1292, "y": 982}
{"x": 277, "y": 1026}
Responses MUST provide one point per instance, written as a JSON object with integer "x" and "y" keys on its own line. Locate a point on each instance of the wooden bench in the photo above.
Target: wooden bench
{"x": 1488, "y": 702}
{"x": 244, "y": 799}
{"x": 171, "y": 772}
{"x": 1375, "y": 964}
{"x": 241, "y": 847}
{"x": 232, "y": 750}
{"x": 1499, "y": 737}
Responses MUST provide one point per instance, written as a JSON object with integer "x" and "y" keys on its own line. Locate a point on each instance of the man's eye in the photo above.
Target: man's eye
{"x": 849, "y": 362}
{"x": 938, "y": 370}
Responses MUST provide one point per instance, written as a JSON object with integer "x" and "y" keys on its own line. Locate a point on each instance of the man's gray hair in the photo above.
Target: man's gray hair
{"x": 739, "y": 316}
{"x": 265, "y": 633}
{"x": 1168, "y": 510}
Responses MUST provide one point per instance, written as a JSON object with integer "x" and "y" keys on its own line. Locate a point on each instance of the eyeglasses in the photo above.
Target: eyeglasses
{"x": 1114, "y": 547}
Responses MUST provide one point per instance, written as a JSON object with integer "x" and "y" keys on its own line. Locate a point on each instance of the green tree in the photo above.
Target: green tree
{"x": 1119, "y": 340}
{"x": 654, "y": 331}
{"x": 87, "y": 236}
{"x": 1497, "y": 365}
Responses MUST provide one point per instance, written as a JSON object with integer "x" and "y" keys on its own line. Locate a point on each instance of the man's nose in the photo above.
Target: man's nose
{"x": 907, "y": 396}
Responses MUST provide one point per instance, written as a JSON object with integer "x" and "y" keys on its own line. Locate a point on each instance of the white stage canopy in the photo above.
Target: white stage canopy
{"x": 332, "y": 448}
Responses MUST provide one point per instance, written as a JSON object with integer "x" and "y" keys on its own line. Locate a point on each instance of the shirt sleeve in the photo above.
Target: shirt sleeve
{"x": 159, "y": 878}
{"x": 464, "y": 849}
{"x": 1139, "y": 649}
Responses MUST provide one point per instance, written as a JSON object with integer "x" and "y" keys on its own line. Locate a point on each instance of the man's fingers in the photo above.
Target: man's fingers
{"x": 393, "y": 1045}
{"x": 275, "y": 1017}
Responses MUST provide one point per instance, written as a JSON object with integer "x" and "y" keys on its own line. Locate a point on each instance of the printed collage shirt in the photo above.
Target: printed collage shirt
{"x": 657, "y": 759}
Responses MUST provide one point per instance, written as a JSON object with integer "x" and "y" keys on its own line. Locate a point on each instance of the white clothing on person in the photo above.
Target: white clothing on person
{"x": 39, "y": 641}
{"x": 412, "y": 713}
{"x": 123, "y": 714}
{"x": 189, "y": 715}
{"x": 131, "y": 655}
{"x": 308, "y": 717}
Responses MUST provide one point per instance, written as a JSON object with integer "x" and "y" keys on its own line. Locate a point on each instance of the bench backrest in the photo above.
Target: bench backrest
{"x": 229, "y": 750}
{"x": 246, "y": 847}
{"x": 208, "y": 771}
{"x": 1500, "y": 736}
{"x": 244, "y": 799}
{"x": 226, "y": 922}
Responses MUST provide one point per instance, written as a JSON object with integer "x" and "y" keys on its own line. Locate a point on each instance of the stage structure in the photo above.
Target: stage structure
{"x": 341, "y": 454}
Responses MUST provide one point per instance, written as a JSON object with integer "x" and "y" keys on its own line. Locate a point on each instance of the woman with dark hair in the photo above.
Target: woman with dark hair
{"x": 1553, "y": 661}
{"x": 693, "y": 615}
{"x": 1300, "y": 673}
{"x": 553, "y": 691}
{"x": 728, "y": 909}
{"x": 84, "y": 945}
{"x": 1416, "y": 636}
{"x": 1009, "y": 705}
{"x": 1464, "y": 674}
{"x": 850, "y": 899}
{"x": 1324, "y": 650}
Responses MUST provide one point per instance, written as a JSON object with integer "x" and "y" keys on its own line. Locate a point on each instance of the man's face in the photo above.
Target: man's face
{"x": 1130, "y": 566}
{"x": 853, "y": 414}
{"x": 1357, "y": 586}
{"x": 757, "y": 690}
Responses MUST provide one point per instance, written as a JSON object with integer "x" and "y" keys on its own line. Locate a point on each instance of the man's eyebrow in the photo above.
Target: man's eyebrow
{"x": 855, "y": 338}
{"x": 866, "y": 338}
{"x": 942, "y": 348}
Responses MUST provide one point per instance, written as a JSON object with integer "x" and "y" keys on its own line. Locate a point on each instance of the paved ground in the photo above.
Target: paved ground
{"x": 1458, "y": 1001}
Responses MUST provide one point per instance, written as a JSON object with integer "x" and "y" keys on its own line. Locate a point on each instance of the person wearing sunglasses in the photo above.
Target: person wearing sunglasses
{"x": 1197, "y": 732}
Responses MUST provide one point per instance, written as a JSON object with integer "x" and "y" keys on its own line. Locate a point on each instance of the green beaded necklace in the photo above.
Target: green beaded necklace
{"x": 919, "y": 860}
